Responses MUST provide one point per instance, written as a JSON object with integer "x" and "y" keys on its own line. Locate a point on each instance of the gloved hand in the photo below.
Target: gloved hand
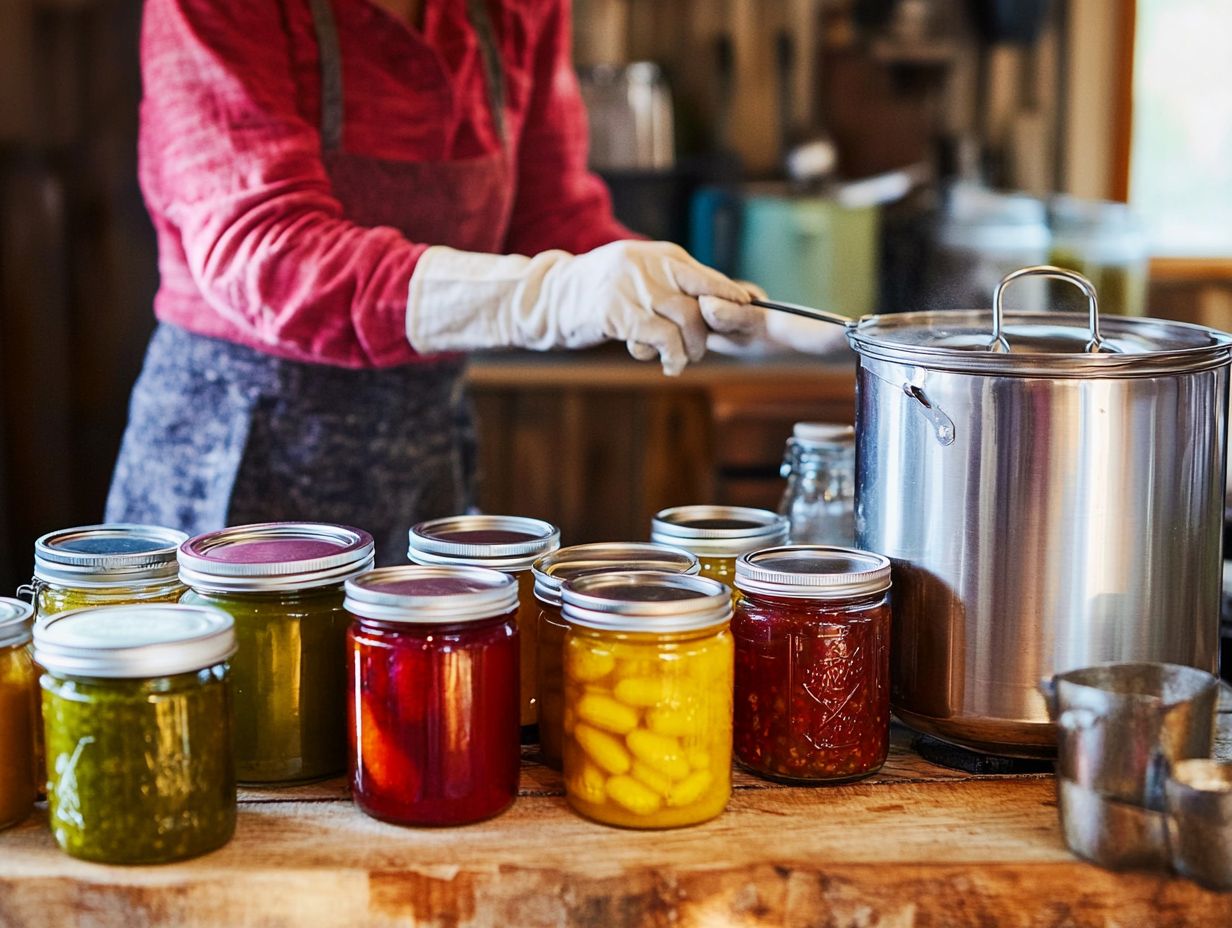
{"x": 651, "y": 295}
{"x": 779, "y": 332}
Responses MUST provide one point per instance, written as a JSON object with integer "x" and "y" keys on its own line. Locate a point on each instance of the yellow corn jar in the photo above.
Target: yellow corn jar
{"x": 718, "y": 535}
{"x": 510, "y": 544}
{"x": 648, "y": 698}
{"x": 106, "y": 565}
{"x": 550, "y": 572}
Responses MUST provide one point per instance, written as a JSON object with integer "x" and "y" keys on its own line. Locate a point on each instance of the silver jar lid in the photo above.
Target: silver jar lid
{"x": 102, "y": 556}
{"x": 132, "y": 642}
{"x": 424, "y": 595}
{"x": 823, "y": 434}
{"x": 275, "y": 556}
{"x": 645, "y": 601}
{"x": 507, "y": 543}
{"x": 14, "y": 621}
{"x": 813, "y": 572}
{"x": 553, "y": 569}
{"x": 718, "y": 531}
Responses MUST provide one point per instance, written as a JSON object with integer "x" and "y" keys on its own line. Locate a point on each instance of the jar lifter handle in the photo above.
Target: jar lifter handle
{"x": 999, "y": 343}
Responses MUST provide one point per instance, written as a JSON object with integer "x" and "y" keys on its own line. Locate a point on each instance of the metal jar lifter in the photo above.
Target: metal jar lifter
{"x": 1050, "y": 489}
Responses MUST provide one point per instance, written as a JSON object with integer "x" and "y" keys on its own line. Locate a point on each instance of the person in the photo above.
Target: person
{"x": 347, "y": 195}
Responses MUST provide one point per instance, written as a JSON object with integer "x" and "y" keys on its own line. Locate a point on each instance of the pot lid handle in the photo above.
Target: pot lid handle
{"x": 999, "y": 344}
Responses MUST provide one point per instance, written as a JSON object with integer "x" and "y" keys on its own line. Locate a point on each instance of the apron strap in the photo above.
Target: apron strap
{"x": 480, "y": 19}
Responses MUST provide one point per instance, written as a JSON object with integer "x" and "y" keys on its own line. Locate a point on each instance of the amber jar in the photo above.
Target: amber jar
{"x": 510, "y": 544}
{"x": 550, "y": 572}
{"x": 19, "y": 769}
{"x": 717, "y": 535}
{"x": 812, "y": 632}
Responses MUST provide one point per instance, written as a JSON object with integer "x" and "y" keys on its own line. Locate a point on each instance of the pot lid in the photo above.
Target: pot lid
{"x": 1045, "y": 344}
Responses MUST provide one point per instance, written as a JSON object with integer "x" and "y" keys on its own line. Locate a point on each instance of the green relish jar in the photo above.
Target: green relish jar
{"x": 137, "y": 717}
{"x": 282, "y": 582}
{"x": 105, "y": 565}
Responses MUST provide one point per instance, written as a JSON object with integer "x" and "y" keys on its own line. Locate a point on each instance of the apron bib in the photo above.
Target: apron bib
{"x": 220, "y": 434}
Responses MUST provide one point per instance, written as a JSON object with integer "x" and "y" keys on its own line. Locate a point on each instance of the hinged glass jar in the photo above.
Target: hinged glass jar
{"x": 550, "y": 572}
{"x": 19, "y": 774}
{"x": 282, "y": 583}
{"x": 433, "y": 694}
{"x": 812, "y": 637}
{"x": 510, "y": 544}
{"x": 105, "y": 565}
{"x": 137, "y": 715}
{"x": 718, "y": 535}
{"x": 648, "y": 698}
{"x": 819, "y": 500}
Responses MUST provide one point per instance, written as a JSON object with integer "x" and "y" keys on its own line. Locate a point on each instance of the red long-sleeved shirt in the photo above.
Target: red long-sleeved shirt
{"x": 253, "y": 245}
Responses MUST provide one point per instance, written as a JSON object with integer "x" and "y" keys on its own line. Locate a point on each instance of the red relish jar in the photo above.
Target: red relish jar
{"x": 432, "y": 707}
{"x": 812, "y": 633}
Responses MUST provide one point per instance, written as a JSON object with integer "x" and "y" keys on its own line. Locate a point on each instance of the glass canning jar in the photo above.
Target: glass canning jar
{"x": 137, "y": 717}
{"x": 812, "y": 637}
{"x": 510, "y": 544}
{"x": 105, "y": 565}
{"x": 819, "y": 500}
{"x": 432, "y": 704}
{"x": 550, "y": 572}
{"x": 282, "y": 582}
{"x": 718, "y": 535}
{"x": 19, "y": 768}
{"x": 648, "y": 698}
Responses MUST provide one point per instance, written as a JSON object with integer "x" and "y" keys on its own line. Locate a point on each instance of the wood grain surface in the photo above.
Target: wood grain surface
{"x": 917, "y": 845}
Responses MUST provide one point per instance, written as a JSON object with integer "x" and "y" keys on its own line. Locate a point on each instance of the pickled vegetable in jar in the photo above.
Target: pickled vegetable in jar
{"x": 137, "y": 715}
{"x": 648, "y": 698}
{"x": 812, "y": 663}
{"x": 550, "y": 572}
{"x": 510, "y": 544}
{"x": 106, "y": 565}
{"x": 282, "y": 582}
{"x": 19, "y": 773}
{"x": 432, "y": 704}
{"x": 717, "y": 535}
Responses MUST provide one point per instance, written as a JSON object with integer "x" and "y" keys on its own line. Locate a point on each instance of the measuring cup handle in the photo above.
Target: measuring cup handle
{"x": 999, "y": 342}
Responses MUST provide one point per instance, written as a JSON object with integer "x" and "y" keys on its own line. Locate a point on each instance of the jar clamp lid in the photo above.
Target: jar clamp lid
{"x": 645, "y": 601}
{"x": 132, "y": 642}
{"x": 813, "y": 572}
{"x": 99, "y": 556}
{"x": 507, "y": 543}
{"x": 274, "y": 556}
{"x": 718, "y": 531}
{"x": 424, "y": 595}
{"x": 553, "y": 569}
{"x": 14, "y": 621}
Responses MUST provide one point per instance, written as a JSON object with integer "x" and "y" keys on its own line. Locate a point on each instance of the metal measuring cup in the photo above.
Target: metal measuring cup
{"x": 1121, "y": 728}
{"x": 1199, "y": 799}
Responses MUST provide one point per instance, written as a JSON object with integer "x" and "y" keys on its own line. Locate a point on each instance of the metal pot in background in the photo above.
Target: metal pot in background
{"x": 1050, "y": 489}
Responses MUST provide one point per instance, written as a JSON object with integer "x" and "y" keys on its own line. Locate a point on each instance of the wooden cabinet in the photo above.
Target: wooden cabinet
{"x": 597, "y": 442}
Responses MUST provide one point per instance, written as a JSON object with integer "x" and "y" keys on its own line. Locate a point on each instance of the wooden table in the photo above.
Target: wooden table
{"x": 916, "y": 845}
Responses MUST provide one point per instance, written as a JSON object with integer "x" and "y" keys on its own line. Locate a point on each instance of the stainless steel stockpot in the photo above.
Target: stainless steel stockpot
{"x": 1050, "y": 490}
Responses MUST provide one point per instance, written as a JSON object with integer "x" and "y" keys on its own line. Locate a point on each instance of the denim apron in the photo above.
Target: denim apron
{"x": 221, "y": 434}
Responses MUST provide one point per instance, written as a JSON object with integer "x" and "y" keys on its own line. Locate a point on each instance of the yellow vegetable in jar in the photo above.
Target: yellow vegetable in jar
{"x": 631, "y": 794}
{"x": 672, "y": 723}
{"x": 589, "y": 783}
{"x": 658, "y": 752}
{"x": 690, "y": 789}
{"x": 650, "y": 777}
{"x": 586, "y": 666}
{"x": 607, "y": 752}
{"x": 606, "y": 713}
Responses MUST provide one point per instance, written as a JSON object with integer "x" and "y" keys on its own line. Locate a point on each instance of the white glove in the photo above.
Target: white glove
{"x": 781, "y": 331}
{"x": 651, "y": 295}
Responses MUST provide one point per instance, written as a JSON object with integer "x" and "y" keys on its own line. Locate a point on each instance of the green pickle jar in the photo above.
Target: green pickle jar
{"x": 510, "y": 544}
{"x": 550, "y": 572}
{"x": 282, "y": 582}
{"x": 19, "y": 768}
{"x": 137, "y": 717}
{"x": 105, "y": 565}
{"x": 718, "y": 535}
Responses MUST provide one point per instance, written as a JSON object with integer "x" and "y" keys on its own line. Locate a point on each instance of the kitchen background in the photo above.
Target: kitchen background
{"x": 858, "y": 155}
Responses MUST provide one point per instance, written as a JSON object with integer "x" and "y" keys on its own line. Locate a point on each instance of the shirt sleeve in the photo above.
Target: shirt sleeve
{"x": 559, "y": 203}
{"x": 230, "y": 162}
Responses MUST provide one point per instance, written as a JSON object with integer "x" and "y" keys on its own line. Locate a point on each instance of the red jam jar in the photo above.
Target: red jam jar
{"x": 812, "y": 632}
{"x": 432, "y": 704}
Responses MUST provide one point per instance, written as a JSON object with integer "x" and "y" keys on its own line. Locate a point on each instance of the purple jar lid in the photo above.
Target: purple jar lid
{"x": 428, "y": 595}
{"x": 274, "y": 556}
{"x": 505, "y": 543}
